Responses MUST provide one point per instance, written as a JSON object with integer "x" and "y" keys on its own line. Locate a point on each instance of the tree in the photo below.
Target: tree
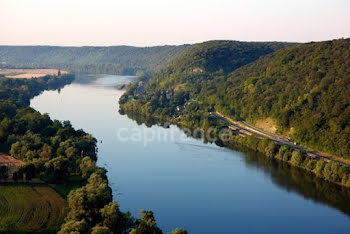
{"x": 327, "y": 171}
{"x": 284, "y": 153}
{"x": 319, "y": 167}
{"x": 101, "y": 230}
{"x": 330, "y": 171}
{"x": 87, "y": 201}
{"x": 87, "y": 166}
{"x": 147, "y": 224}
{"x": 179, "y": 231}
{"x": 115, "y": 220}
{"x": 262, "y": 145}
{"x": 311, "y": 164}
{"x": 57, "y": 169}
{"x": 74, "y": 227}
{"x": 271, "y": 149}
{"x": 46, "y": 152}
{"x": 297, "y": 158}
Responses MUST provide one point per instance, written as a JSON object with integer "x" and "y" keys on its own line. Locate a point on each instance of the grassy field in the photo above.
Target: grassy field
{"x": 30, "y": 208}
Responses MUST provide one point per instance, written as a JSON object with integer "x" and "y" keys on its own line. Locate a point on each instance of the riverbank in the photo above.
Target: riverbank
{"x": 52, "y": 151}
{"x": 281, "y": 140}
{"x": 330, "y": 170}
{"x": 192, "y": 179}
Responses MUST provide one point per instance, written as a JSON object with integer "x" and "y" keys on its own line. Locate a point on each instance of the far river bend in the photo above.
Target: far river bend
{"x": 189, "y": 184}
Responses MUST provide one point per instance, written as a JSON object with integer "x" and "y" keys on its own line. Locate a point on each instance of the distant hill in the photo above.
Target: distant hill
{"x": 204, "y": 61}
{"x": 111, "y": 59}
{"x": 213, "y": 56}
{"x": 302, "y": 90}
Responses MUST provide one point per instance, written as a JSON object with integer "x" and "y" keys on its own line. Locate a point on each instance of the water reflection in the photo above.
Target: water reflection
{"x": 200, "y": 187}
{"x": 296, "y": 180}
{"x": 283, "y": 175}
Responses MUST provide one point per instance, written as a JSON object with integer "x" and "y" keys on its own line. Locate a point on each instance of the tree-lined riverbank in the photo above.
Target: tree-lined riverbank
{"x": 193, "y": 180}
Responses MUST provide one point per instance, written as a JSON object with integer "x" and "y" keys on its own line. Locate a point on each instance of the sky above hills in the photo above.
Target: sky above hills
{"x": 159, "y": 22}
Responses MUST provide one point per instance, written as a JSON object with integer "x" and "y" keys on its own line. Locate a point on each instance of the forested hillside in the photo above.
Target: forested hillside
{"x": 189, "y": 73}
{"x": 126, "y": 60}
{"x": 225, "y": 56}
{"x": 303, "y": 88}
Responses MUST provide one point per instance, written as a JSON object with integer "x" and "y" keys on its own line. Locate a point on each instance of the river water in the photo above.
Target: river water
{"x": 190, "y": 184}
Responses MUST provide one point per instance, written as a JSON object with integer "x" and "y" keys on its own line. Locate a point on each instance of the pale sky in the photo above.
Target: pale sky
{"x": 159, "y": 22}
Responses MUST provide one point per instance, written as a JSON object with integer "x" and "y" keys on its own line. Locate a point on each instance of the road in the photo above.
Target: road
{"x": 276, "y": 138}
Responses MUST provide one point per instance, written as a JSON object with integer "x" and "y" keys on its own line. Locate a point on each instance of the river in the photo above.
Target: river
{"x": 190, "y": 184}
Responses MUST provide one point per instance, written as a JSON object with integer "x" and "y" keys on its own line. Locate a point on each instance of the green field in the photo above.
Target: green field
{"x": 30, "y": 208}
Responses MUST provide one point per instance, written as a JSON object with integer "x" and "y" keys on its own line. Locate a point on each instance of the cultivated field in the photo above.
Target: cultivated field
{"x": 29, "y": 73}
{"x": 29, "y": 208}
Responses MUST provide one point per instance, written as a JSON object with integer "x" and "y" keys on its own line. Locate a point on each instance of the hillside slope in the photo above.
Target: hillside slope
{"x": 303, "y": 89}
{"x": 211, "y": 59}
{"x": 88, "y": 59}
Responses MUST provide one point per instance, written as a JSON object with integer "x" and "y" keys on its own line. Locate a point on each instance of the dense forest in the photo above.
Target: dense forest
{"x": 303, "y": 88}
{"x": 120, "y": 60}
{"x": 56, "y": 153}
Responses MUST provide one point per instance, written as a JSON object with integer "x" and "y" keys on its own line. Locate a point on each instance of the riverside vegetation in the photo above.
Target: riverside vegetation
{"x": 58, "y": 154}
{"x": 303, "y": 88}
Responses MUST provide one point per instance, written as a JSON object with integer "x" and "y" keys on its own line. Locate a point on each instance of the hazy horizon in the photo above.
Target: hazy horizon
{"x": 155, "y": 45}
{"x": 167, "y": 22}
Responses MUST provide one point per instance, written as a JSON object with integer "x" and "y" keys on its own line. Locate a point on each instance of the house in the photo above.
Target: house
{"x": 11, "y": 164}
